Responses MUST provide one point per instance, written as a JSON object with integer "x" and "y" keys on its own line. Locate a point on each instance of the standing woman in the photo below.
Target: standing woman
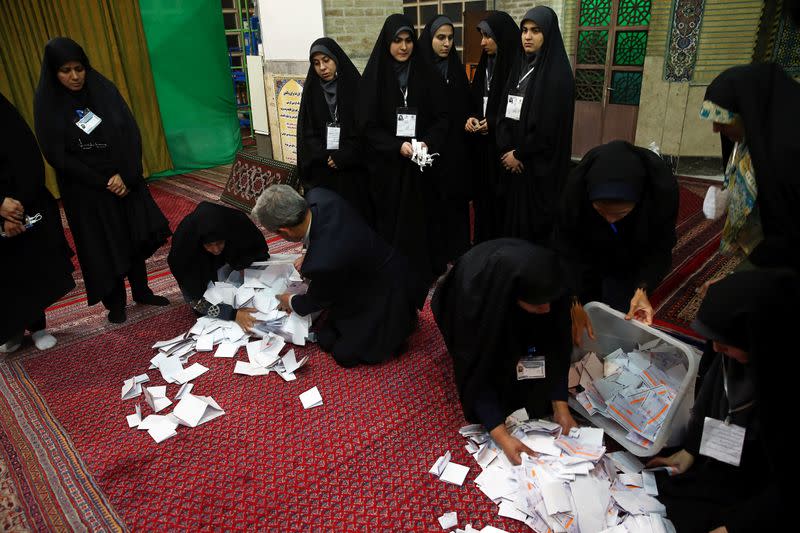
{"x": 534, "y": 132}
{"x": 402, "y": 98}
{"x": 500, "y": 43}
{"x": 452, "y": 170}
{"x": 328, "y": 145}
{"x": 35, "y": 262}
{"x": 88, "y": 134}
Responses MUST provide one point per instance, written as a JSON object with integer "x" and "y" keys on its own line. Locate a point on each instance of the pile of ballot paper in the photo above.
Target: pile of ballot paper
{"x": 262, "y": 282}
{"x": 569, "y": 484}
{"x": 636, "y": 390}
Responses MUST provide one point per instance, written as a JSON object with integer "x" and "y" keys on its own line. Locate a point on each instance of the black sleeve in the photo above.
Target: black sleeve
{"x": 656, "y": 263}
{"x": 562, "y": 351}
{"x": 544, "y": 136}
{"x": 349, "y": 152}
{"x": 488, "y": 409}
{"x": 323, "y": 289}
{"x": 436, "y": 132}
{"x": 316, "y": 142}
{"x": 712, "y": 382}
{"x": 753, "y": 515}
{"x": 77, "y": 171}
{"x": 571, "y": 258}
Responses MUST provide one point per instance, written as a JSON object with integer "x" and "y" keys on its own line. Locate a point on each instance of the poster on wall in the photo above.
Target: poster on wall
{"x": 288, "y": 91}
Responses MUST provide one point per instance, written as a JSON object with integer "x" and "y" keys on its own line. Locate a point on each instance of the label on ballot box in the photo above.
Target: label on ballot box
{"x": 531, "y": 367}
{"x": 721, "y": 441}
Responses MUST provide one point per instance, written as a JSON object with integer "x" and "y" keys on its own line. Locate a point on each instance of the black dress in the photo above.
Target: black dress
{"x": 488, "y": 82}
{"x": 113, "y": 235}
{"x": 407, "y": 213}
{"x": 486, "y": 332}
{"x": 608, "y": 262}
{"x": 332, "y": 102}
{"x": 542, "y": 137}
{"x": 451, "y": 168}
{"x": 739, "y": 311}
{"x": 193, "y": 266}
{"x": 35, "y": 266}
{"x": 366, "y": 287}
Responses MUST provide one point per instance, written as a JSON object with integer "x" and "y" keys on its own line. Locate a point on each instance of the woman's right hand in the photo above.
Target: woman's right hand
{"x": 681, "y": 461}
{"x": 117, "y": 186}
{"x": 12, "y": 209}
{"x": 580, "y": 323}
{"x": 12, "y": 229}
{"x": 245, "y": 319}
{"x": 406, "y": 150}
{"x": 472, "y": 125}
{"x": 510, "y": 445}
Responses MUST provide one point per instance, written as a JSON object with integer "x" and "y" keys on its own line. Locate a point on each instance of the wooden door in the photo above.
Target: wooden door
{"x": 472, "y": 40}
{"x": 612, "y": 41}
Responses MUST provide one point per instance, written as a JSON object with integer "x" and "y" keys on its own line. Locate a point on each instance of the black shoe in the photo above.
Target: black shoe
{"x": 117, "y": 316}
{"x": 152, "y": 299}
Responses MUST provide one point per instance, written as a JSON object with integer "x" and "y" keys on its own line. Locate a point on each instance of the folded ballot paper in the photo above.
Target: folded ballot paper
{"x": 195, "y": 410}
{"x": 448, "y": 471}
{"x": 569, "y": 484}
{"x": 636, "y": 390}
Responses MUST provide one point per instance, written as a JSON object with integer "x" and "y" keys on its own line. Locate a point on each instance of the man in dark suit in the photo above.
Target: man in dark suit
{"x": 366, "y": 287}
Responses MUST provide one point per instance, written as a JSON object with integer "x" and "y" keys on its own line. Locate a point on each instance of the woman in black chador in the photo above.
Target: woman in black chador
{"x": 211, "y": 239}
{"x": 402, "y": 98}
{"x": 88, "y": 134}
{"x": 616, "y": 229}
{"x": 501, "y": 46}
{"x": 741, "y": 410}
{"x": 35, "y": 265}
{"x": 505, "y": 320}
{"x": 452, "y": 169}
{"x": 534, "y": 130}
{"x": 329, "y": 150}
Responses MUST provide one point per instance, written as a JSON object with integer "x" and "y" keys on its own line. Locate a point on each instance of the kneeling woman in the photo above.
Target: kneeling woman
{"x": 730, "y": 468}
{"x": 212, "y": 241}
{"x": 505, "y": 320}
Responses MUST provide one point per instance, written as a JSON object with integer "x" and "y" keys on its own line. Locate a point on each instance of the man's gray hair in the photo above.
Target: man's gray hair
{"x": 280, "y": 206}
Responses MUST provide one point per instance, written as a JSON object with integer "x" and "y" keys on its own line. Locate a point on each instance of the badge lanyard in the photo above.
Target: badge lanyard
{"x": 525, "y": 76}
{"x": 404, "y": 91}
{"x": 725, "y": 386}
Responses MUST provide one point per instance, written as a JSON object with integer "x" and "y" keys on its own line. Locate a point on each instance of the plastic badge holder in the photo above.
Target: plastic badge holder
{"x": 612, "y": 331}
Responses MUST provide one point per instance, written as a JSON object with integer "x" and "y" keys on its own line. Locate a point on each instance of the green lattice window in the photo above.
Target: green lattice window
{"x": 592, "y": 47}
{"x": 627, "y": 88}
{"x": 633, "y": 13}
{"x": 630, "y": 48}
{"x": 589, "y": 84}
{"x": 595, "y": 13}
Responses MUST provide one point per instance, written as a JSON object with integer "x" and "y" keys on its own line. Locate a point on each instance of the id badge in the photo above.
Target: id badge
{"x": 721, "y": 441}
{"x": 485, "y": 103}
{"x": 531, "y": 368}
{"x": 332, "y": 134}
{"x": 514, "y": 106}
{"x": 406, "y": 122}
{"x": 88, "y": 122}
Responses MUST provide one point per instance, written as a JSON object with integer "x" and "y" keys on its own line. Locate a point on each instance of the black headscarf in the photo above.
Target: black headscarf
{"x": 768, "y": 102}
{"x": 192, "y": 266}
{"x": 321, "y": 101}
{"x": 620, "y": 171}
{"x": 54, "y": 104}
{"x": 505, "y": 32}
{"x": 442, "y": 64}
{"x": 475, "y": 307}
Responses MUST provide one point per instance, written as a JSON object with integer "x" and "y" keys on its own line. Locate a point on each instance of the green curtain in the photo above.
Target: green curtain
{"x": 188, "y": 53}
{"x": 111, "y": 33}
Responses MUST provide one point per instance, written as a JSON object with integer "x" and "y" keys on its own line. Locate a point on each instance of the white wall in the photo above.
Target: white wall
{"x": 288, "y": 27}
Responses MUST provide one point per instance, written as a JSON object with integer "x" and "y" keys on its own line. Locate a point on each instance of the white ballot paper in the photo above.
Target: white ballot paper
{"x": 205, "y": 343}
{"x": 722, "y": 441}
{"x": 249, "y": 369}
{"x": 227, "y": 349}
{"x": 195, "y": 410}
{"x": 448, "y": 472}
{"x": 186, "y": 388}
{"x": 156, "y": 398}
{"x": 290, "y": 362}
{"x": 141, "y": 378}
{"x": 130, "y": 389}
{"x": 162, "y": 429}
{"x": 311, "y": 398}
{"x": 136, "y": 418}
{"x": 188, "y": 374}
{"x": 448, "y": 520}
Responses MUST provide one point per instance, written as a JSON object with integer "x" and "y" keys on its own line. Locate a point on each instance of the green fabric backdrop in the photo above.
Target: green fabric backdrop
{"x": 189, "y": 58}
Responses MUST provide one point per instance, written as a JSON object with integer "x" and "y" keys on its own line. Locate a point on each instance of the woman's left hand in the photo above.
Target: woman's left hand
{"x": 12, "y": 229}
{"x": 511, "y": 163}
{"x": 117, "y": 186}
{"x": 641, "y": 309}
{"x": 563, "y": 417}
{"x": 331, "y": 162}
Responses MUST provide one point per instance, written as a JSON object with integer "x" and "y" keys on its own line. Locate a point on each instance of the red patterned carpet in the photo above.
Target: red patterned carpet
{"x": 68, "y": 461}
